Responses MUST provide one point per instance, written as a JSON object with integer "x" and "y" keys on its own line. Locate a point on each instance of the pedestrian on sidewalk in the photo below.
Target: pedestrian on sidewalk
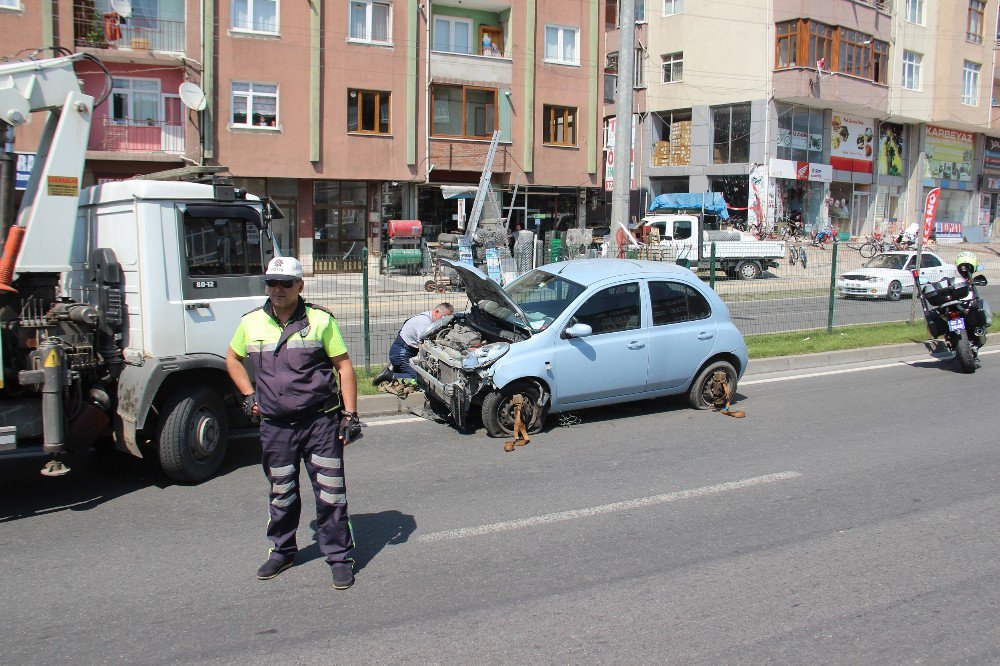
{"x": 306, "y": 399}
{"x": 407, "y": 344}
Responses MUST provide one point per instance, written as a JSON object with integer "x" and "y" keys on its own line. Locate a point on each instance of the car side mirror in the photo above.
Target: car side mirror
{"x": 578, "y": 331}
{"x": 980, "y": 281}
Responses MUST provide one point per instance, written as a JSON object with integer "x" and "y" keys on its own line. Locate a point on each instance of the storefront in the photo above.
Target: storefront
{"x": 798, "y": 190}
{"x": 285, "y": 193}
{"x": 852, "y": 153}
{"x": 948, "y": 165}
{"x": 989, "y": 205}
{"x": 446, "y": 208}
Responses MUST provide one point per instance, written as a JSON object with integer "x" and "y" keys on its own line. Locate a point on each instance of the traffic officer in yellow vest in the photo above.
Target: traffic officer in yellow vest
{"x": 306, "y": 399}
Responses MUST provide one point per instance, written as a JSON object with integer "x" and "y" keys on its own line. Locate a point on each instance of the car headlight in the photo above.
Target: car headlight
{"x": 876, "y": 278}
{"x": 485, "y": 355}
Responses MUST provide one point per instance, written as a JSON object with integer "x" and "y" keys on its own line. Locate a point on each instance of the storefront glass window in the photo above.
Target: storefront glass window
{"x": 800, "y": 134}
{"x": 339, "y": 214}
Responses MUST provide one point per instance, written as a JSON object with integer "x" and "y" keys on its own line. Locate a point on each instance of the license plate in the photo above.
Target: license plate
{"x": 956, "y": 324}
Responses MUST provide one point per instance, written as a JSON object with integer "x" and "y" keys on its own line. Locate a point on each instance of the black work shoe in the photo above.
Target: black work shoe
{"x": 384, "y": 376}
{"x": 272, "y": 567}
{"x": 343, "y": 575}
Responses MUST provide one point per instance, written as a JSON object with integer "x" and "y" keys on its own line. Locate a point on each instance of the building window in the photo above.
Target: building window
{"x": 731, "y": 134}
{"x": 255, "y": 104}
{"x": 671, "y": 7}
{"x": 369, "y": 21}
{"x": 673, "y": 67}
{"x": 562, "y": 45}
{"x": 853, "y": 54}
{"x": 452, "y": 34}
{"x": 135, "y": 101}
{"x": 970, "y": 83}
{"x": 787, "y": 44}
{"x": 915, "y": 11}
{"x": 464, "y": 111}
{"x": 911, "y": 70}
{"x": 10, "y": 4}
{"x": 820, "y": 44}
{"x": 974, "y": 31}
{"x": 800, "y": 133}
{"x": 559, "y": 125}
{"x": 368, "y": 111}
{"x": 639, "y": 73}
{"x": 255, "y": 15}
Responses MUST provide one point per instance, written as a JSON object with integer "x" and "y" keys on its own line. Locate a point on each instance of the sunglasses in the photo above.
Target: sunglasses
{"x": 286, "y": 284}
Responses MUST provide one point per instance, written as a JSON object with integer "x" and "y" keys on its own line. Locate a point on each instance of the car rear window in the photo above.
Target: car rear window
{"x": 674, "y": 302}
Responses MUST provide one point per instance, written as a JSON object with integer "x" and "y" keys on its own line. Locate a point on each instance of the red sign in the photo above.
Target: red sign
{"x": 802, "y": 171}
{"x": 930, "y": 211}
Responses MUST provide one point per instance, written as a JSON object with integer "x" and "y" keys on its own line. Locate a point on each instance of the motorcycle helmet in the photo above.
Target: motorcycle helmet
{"x": 966, "y": 262}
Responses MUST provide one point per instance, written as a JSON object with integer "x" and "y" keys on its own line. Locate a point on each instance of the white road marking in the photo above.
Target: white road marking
{"x": 405, "y": 419}
{"x": 545, "y": 519}
{"x": 843, "y": 371}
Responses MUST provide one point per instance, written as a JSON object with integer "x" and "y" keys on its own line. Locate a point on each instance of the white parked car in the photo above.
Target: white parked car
{"x": 890, "y": 275}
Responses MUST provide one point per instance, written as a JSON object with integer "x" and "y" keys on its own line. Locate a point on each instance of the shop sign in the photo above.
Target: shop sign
{"x": 891, "y": 149}
{"x": 851, "y": 143}
{"x": 25, "y": 163}
{"x": 991, "y": 183}
{"x": 991, "y": 159}
{"x": 790, "y": 170}
{"x": 948, "y": 232}
{"x": 799, "y": 140}
{"x": 609, "y": 148}
{"x": 949, "y": 154}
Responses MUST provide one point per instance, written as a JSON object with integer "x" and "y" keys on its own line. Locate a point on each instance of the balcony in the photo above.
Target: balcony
{"x": 96, "y": 26}
{"x": 159, "y": 139}
{"x": 471, "y": 49}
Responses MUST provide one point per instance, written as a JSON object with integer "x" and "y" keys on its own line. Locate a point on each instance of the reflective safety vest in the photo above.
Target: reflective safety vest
{"x": 295, "y": 376}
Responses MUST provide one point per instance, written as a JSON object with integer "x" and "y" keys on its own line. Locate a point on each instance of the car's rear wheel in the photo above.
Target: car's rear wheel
{"x": 499, "y": 409}
{"x": 895, "y": 291}
{"x": 707, "y": 390}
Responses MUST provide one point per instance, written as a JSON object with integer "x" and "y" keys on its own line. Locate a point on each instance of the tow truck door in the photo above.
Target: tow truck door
{"x": 223, "y": 255}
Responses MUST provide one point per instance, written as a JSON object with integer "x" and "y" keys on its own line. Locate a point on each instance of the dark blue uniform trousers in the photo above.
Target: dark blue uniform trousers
{"x": 399, "y": 356}
{"x": 312, "y": 440}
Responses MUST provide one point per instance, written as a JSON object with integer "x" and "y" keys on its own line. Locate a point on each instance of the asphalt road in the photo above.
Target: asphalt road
{"x": 851, "y": 517}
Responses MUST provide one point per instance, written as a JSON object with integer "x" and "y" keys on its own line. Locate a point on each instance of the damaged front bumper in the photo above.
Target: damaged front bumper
{"x": 443, "y": 377}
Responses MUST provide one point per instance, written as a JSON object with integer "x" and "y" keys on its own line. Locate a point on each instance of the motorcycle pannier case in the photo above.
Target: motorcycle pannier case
{"x": 948, "y": 289}
{"x": 936, "y": 325}
{"x": 977, "y": 315}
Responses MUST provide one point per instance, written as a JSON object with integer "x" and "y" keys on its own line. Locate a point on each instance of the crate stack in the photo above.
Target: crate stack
{"x": 661, "y": 153}
{"x": 680, "y": 143}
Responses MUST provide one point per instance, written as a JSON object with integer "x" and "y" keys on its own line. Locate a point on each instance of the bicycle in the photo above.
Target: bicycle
{"x": 796, "y": 254}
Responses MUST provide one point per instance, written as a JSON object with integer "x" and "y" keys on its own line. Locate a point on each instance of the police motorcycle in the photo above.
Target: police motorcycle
{"x": 953, "y": 310}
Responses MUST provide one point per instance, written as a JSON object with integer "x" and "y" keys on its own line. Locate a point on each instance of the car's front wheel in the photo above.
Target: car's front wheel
{"x": 895, "y": 291}
{"x": 499, "y": 409}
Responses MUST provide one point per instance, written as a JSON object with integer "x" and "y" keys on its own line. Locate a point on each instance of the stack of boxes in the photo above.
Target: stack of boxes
{"x": 680, "y": 143}
{"x": 661, "y": 153}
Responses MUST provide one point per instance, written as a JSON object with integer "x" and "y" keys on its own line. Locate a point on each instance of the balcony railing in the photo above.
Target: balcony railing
{"x": 108, "y": 31}
{"x": 134, "y": 136}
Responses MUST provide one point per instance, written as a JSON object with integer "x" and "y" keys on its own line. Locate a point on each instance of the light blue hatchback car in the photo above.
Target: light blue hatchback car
{"x": 579, "y": 334}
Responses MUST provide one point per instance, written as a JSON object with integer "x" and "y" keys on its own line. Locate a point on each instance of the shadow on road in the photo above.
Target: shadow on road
{"x": 372, "y": 533}
{"x": 96, "y": 477}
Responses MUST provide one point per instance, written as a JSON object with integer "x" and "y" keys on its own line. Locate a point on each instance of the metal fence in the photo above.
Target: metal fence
{"x": 805, "y": 291}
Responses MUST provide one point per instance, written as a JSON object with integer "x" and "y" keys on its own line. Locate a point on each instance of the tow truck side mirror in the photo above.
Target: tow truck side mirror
{"x": 272, "y": 211}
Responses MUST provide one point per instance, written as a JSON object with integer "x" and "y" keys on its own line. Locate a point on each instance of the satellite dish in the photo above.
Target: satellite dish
{"x": 122, "y": 7}
{"x": 192, "y": 96}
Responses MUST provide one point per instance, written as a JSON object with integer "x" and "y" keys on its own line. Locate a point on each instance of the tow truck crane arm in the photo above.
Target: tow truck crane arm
{"x": 38, "y": 242}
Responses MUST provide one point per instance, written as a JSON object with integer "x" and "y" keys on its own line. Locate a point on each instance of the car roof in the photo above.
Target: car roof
{"x": 589, "y": 271}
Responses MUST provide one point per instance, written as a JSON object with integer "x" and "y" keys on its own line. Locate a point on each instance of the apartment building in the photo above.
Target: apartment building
{"x": 348, "y": 113}
{"x": 844, "y": 112}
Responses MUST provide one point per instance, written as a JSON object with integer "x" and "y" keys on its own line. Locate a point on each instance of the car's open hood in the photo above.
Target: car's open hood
{"x": 480, "y": 288}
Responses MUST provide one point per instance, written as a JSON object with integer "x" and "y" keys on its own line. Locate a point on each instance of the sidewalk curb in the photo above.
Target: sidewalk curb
{"x": 387, "y": 404}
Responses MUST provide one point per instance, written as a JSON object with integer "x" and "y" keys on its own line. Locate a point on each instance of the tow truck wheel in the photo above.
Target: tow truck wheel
{"x": 192, "y": 434}
{"x": 498, "y": 410}
{"x": 748, "y": 270}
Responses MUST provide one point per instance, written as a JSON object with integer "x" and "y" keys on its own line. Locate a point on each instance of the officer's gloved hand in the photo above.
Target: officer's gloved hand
{"x": 250, "y": 407}
{"x": 349, "y": 428}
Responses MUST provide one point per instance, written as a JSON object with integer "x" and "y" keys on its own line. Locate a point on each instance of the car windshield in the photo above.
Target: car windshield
{"x": 894, "y": 261}
{"x": 541, "y": 295}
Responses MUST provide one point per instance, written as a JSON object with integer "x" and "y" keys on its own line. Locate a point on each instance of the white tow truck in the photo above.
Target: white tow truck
{"x": 117, "y": 301}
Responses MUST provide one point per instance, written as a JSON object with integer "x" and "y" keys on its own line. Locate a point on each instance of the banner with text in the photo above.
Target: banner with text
{"x": 949, "y": 154}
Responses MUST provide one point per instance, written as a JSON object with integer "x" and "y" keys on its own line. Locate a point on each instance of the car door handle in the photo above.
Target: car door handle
{"x": 635, "y": 344}
{"x": 196, "y": 306}
{"x": 705, "y": 335}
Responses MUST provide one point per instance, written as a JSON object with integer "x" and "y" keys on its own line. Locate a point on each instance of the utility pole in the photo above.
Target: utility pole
{"x": 921, "y": 156}
{"x": 621, "y": 189}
